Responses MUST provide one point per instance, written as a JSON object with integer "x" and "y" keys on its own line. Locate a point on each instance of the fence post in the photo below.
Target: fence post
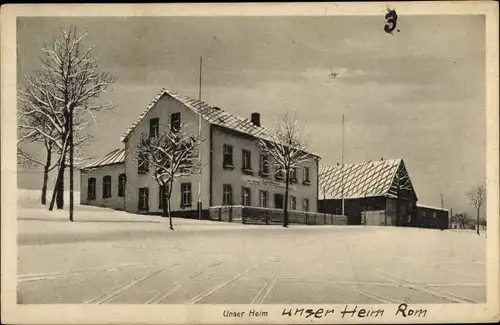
{"x": 230, "y": 213}
{"x": 243, "y": 215}
{"x": 267, "y": 216}
{"x": 220, "y": 213}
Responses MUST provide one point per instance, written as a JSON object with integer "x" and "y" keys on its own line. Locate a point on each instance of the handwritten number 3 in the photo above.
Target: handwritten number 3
{"x": 392, "y": 20}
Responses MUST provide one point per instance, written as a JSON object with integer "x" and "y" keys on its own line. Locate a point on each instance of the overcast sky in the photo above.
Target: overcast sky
{"x": 418, "y": 94}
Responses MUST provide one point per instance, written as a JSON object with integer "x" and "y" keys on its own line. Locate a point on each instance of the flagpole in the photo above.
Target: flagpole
{"x": 199, "y": 207}
{"x": 342, "y": 164}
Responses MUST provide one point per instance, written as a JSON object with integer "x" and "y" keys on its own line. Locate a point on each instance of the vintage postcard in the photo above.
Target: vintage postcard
{"x": 250, "y": 163}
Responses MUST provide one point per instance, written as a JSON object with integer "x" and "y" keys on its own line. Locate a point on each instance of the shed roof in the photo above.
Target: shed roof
{"x": 116, "y": 156}
{"x": 431, "y": 207}
{"x": 367, "y": 179}
{"x": 213, "y": 115}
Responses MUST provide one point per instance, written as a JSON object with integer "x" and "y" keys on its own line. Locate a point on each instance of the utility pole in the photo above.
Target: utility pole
{"x": 342, "y": 165}
{"x": 200, "y": 203}
{"x": 71, "y": 155}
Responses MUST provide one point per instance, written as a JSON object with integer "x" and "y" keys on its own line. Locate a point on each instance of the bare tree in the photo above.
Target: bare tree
{"x": 477, "y": 197}
{"x": 167, "y": 156}
{"x": 34, "y": 127}
{"x": 287, "y": 147}
{"x": 69, "y": 82}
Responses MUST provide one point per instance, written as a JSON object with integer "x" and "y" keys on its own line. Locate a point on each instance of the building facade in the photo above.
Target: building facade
{"x": 371, "y": 193}
{"x": 103, "y": 181}
{"x": 233, "y": 171}
{"x": 432, "y": 217}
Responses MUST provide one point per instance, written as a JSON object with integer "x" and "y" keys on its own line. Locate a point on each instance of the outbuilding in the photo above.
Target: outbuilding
{"x": 372, "y": 193}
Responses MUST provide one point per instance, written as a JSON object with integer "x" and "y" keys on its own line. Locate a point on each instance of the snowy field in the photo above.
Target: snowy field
{"x": 114, "y": 257}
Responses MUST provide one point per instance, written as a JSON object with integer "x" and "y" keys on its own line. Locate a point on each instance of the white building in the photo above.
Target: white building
{"x": 233, "y": 172}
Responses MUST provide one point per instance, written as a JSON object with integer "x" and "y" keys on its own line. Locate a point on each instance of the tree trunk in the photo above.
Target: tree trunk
{"x": 166, "y": 203}
{"x": 169, "y": 215}
{"x": 43, "y": 198}
{"x": 60, "y": 186}
{"x": 285, "y": 203}
{"x": 46, "y": 168}
{"x": 60, "y": 177}
{"x": 477, "y": 220}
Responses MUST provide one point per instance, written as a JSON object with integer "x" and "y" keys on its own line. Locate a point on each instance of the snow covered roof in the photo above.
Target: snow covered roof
{"x": 213, "y": 115}
{"x": 367, "y": 179}
{"x": 116, "y": 156}
{"x": 431, "y": 207}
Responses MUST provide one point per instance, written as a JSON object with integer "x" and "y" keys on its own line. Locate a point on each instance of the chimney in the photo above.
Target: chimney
{"x": 338, "y": 164}
{"x": 217, "y": 108}
{"x": 255, "y": 119}
{"x": 381, "y": 159}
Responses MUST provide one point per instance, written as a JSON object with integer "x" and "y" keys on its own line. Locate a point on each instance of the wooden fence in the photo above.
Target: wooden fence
{"x": 257, "y": 215}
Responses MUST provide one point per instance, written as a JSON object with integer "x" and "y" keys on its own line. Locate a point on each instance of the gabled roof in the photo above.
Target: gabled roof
{"x": 367, "y": 179}
{"x": 213, "y": 115}
{"x": 116, "y": 156}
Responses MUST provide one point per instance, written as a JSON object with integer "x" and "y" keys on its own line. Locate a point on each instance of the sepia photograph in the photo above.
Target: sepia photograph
{"x": 270, "y": 166}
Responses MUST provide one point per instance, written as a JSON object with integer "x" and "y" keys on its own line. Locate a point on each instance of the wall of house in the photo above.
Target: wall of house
{"x": 163, "y": 110}
{"x": 432, "y": 218}
{"x": 406, "y": 211}
{"x": 115, "y": 201}
{"x": 354, "y": 209}
{"x": 237, "y": 179}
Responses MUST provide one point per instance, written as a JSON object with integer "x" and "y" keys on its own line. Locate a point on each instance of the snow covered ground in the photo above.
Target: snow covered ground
{"x": 114, "y": 257}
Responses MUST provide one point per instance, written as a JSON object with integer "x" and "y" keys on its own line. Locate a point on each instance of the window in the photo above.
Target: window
{"x": 227, "y": 195}
{"x": 186, "y": 196}
{"x": 263, "y": 198}
{"x": 424, "y": 213}
{"x": 143, "y": 199}
{"x": 106, "y": 186}
{"x": 293, "y": 203}
{"x": 307, "y": 179}
{"x": 142, "y": 166}
{"x": 279, "y": 175}
{"x": 264, "y": 165}
{"x": 246, "y": 158}
{"x": 278, "y": 201}
{"x": 245, "y": 196}
{"x": 122, "y": 180}
{"x": 154, "y": 127}
{"x": 228, "y": 156}
{"x": 175, "y": 122}
{"x": 306, "y": 205}
{"x": 434, "y": 214}
{"x": 91, "y": 189}
{"x": 293, "y": 175}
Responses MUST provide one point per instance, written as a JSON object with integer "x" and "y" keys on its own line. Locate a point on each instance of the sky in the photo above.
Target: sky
{"x": 418, "y": 94}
